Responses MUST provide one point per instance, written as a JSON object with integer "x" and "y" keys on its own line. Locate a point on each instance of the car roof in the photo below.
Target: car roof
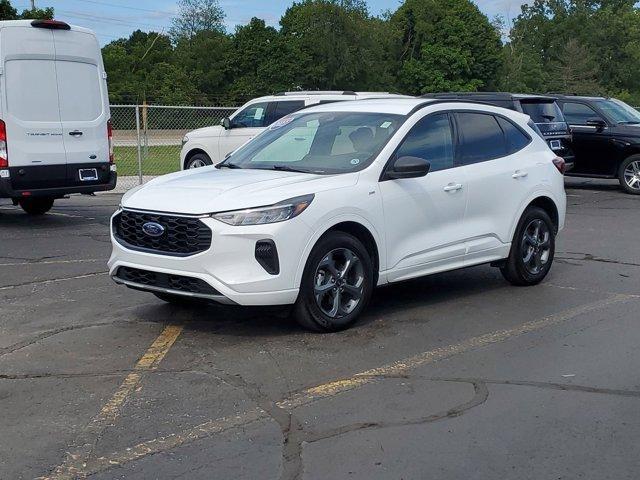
{"x": 27, "y": 23}
{"x": 407, "y": 106}
{"x": 488, "y": 96}
{"x": 328, "y": 95}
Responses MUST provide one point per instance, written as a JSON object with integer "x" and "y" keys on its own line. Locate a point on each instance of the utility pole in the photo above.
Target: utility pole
{"x": 33, "y": 4}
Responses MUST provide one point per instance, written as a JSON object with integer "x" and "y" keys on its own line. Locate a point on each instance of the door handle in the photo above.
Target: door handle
{"x": 453, "y": 187}
{"x": 519, "y": 174}
{"x": 76, "y": 133}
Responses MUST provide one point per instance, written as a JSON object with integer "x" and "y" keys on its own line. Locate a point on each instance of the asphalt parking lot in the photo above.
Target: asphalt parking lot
{"x": 459, "y": 375}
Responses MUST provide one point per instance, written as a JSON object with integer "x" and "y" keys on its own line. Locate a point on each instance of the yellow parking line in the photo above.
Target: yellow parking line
{"x": 332, "y": 389}
{"x": 78, "y": 456}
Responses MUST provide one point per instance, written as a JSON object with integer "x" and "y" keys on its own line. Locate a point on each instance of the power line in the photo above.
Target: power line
{"x": 103, "y": 19}
{"x": 95, "y": 2}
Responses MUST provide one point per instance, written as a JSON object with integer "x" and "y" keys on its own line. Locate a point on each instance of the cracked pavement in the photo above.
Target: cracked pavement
{"x": 457, "y": 375}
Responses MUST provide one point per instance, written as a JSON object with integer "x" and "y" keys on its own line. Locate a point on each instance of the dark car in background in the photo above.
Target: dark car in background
{"x": 543, "y": 110}
{"x": 606, "y": 134}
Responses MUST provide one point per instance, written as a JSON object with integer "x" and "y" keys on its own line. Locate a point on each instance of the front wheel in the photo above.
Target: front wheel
{"x": 37, "y": 205}
{"x": 532, "y": 249}
{"x": 629, "y": 175}
{"x": 198, "y": 160}
{"x": 336, "y": 285}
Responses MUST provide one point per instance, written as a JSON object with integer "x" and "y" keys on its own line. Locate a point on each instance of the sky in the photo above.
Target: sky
{"x": 112, "y": 19}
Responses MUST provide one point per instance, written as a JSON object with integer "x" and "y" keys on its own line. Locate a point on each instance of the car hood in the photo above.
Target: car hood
{"x": 213, "y": 131}
{"x": 208, "y": 190}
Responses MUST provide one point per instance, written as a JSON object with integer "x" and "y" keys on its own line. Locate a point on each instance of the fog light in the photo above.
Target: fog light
{"x": 267, "y": 256}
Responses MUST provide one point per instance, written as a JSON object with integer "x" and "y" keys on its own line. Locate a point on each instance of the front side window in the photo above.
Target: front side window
{"x": 431, "y": 140}
{"x": 321, "y": 143}
{"x": 253, "y": 116}
{"x": 578, "y": 113}
{"x": 482, "y": 138}
{"x": 619, "y": 112}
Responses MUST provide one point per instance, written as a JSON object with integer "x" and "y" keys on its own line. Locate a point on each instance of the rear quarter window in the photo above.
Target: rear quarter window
{"x": 515, "y": 138}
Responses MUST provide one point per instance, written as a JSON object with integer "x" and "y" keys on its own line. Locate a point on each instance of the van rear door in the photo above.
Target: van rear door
{"x": 84, "y": 108}
{"x": 31, "y": 111}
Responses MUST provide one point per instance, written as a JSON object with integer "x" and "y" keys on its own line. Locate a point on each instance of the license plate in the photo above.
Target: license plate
{"x": 555, "y": 145}
{"x": 88, "y": 174}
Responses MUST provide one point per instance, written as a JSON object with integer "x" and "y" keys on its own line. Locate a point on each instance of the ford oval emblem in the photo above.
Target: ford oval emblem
{"x": 153, "y": 229}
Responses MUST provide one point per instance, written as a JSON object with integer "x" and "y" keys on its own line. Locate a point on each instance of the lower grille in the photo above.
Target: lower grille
{"x": 163, "y": 280}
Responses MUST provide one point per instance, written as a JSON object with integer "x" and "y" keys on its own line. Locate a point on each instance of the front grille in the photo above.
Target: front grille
{"x": 182, "y": 236}
{"x": 166, "y": 281}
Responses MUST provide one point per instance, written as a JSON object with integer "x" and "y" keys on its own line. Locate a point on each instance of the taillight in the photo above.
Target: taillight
{"x": 4, "y": 154}
{"x": 560, "y": 165}
{"x": 110, "y": 137}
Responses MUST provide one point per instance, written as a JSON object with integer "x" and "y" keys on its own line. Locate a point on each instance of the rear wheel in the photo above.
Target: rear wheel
{"x": 37, "y": 205}
{"x": 336, "y": 285}
{"x": 198, "y": 160}
{"x": 532, "y": 249}
{"x": 629, "y": 175}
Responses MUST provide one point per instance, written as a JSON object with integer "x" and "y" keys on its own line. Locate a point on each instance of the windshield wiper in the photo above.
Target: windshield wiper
{"x": 227, "y": 165}
{"x": 629, "y": 122}
{"x": 287, "y": 168}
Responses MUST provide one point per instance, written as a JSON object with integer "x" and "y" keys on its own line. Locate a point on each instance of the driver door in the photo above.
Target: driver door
{"x": 423, "y": 216}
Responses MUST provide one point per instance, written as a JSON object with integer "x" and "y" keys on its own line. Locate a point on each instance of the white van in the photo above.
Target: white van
{"x": 55, "y": 129}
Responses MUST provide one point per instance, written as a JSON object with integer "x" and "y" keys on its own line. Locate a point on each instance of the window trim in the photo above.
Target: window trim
{"x": 585, "y": 104}
{"x": 460, "y": 136}
{"x": 394, "y": 156}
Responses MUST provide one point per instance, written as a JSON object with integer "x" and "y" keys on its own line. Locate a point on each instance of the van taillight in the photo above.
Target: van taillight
{"x": 4, "y": 154}
{"x": 560, "y": 165}
{"x": 110, "y": 137}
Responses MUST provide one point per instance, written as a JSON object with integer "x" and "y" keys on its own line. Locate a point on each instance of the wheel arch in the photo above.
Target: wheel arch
{"x": 356, "y": 227}
{"x": 547, "y": 204}
{"x": 191, "y": 153}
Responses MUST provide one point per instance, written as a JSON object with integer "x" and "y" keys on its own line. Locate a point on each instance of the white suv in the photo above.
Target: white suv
{"x": 333, "y": 200}
{"x": 210, "y": 145}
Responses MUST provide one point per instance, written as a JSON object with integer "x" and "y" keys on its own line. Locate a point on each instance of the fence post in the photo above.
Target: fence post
{"x": 139, "y": 144}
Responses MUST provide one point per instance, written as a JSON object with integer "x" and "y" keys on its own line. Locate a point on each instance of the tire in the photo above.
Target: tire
{"x": 178, "y": 299}
{"x": 198, "y": 160}
{"x": 629, "y": 175}
{"x": 535, "y": 238}
{"x": 324, "y": 278}
{"x": 37, "y": 205}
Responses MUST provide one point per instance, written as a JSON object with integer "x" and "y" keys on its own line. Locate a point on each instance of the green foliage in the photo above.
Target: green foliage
{"x": 446, "y": 45}
{"x": 8, "y": 12}
{"x": 196, "y": 16}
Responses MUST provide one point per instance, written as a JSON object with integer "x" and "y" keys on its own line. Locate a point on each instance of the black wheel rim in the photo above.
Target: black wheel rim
{"x": 339, "y": 283}
{"x": 536, "y": 246}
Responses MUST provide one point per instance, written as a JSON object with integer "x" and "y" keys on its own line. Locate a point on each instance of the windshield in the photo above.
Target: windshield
{"x": 321, "y": 143}
{"x": 619, "y": 112}
{"x": 543, "y": 112}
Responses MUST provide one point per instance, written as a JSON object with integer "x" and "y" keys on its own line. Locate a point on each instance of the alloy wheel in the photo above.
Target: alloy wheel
{"x": 536, "y": 246}
{"x": 632, "y": 175}
{"x": 339, "y": 283}
{"x": 198, "y": 163}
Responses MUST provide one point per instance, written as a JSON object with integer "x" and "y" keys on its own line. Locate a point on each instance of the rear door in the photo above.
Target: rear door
{"x": 31, "y": 109}
{"x": 84, "y": 110}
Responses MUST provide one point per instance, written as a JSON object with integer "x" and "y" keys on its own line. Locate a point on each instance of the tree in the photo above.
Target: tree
{"x": 335, "y": 45}
{"x": 8, "y": 12}
{"x": 574, "y": 70}
{"x": 446, "y": 45}
{"x": 196, "y": 16}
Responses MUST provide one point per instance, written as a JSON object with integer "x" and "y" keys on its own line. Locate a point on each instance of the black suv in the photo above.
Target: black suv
{"x": 606, "y": 134}
{"x": 543, "y": 110}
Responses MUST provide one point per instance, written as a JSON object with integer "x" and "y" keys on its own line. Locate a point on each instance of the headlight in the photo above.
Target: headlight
{"x": 185, "y": 139}
{"x": 279, "y": 212}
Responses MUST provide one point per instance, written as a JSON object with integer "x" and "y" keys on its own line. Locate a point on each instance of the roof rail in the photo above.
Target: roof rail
{"x": 316, "y": 92}
{"x": 504, "y": 95}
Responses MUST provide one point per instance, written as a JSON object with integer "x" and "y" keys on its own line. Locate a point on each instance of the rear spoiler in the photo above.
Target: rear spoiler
{"x": 51, "y": 24}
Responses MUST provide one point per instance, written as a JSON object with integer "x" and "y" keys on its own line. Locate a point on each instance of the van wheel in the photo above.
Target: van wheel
{"x": 532, "y": 249}
{"x": 198, "y": 160}
{"x": 629, "y": 175}
{"x": 37, "y": 205}
{"x": 336, "y": 285}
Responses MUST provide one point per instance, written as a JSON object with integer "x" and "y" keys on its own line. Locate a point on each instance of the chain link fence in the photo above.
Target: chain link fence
{"x": 147, "y": 138}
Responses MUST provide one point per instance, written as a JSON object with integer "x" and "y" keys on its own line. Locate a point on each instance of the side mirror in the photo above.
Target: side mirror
{"x": 596, "y": 122}
{"x": 408, "y": 167}
{"x": 226, "y": 123}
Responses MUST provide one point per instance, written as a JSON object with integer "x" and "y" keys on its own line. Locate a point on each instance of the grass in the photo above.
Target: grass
{"x": 157, "y": 161}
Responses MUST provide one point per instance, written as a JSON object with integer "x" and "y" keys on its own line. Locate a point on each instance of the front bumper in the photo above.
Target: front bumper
{"x": 229, "y": 266}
